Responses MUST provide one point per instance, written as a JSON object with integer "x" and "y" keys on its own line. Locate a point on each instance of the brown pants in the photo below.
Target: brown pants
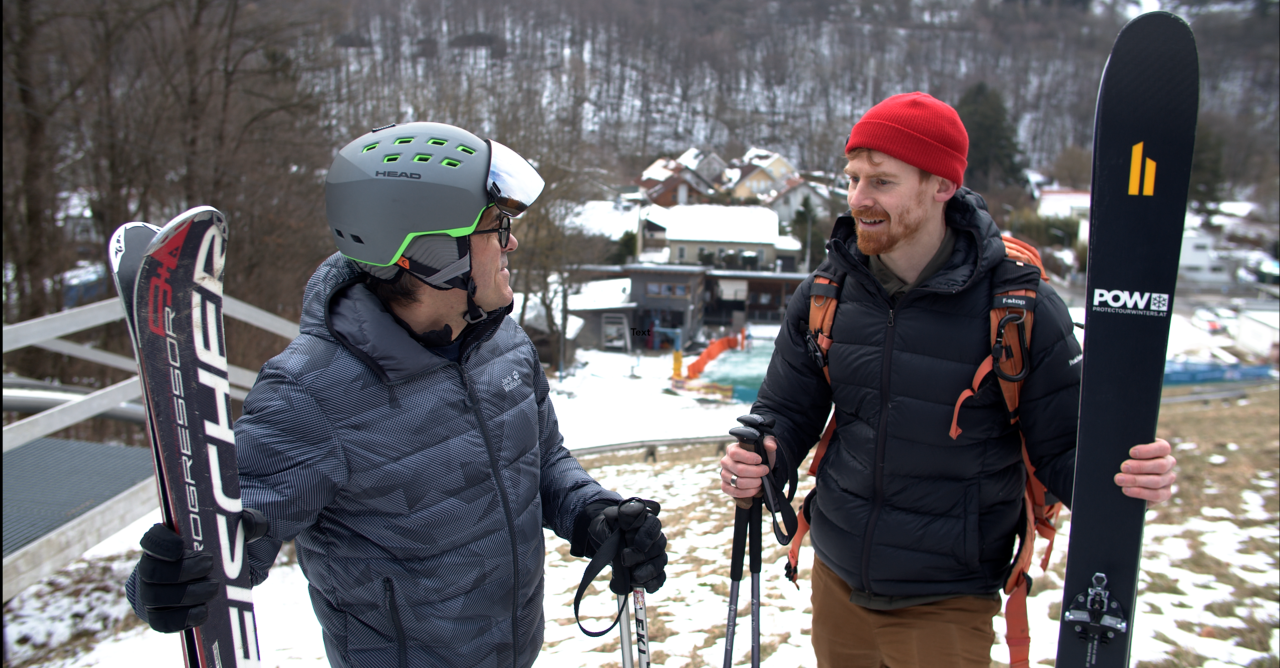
{"x": 954, "y": 632}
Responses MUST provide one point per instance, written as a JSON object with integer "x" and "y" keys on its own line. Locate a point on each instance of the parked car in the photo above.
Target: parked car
{"x": 1208, "y": 320}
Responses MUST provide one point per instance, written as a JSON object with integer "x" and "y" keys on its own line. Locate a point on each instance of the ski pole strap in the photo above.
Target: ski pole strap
{"x": 604, "y": 555}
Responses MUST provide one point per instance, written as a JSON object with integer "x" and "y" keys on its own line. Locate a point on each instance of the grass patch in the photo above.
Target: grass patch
{"x": 1254, "y": 428}
{"x": 1221, "y": 608}
{"x": 768, "y": 648}
{"x": 1179, "y": 657}
{"x": 1161, "y": 584}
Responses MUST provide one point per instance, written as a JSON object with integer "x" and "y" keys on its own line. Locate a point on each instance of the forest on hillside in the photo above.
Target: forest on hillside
{"x": 119, "y": 110}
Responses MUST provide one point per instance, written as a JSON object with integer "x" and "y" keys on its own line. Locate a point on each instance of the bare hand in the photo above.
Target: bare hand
{"x": 1149, "y": 473}
{"x": 748, "y": 468}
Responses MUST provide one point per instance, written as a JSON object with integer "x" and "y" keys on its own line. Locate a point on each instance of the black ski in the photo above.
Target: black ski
{"x": 177, "y": 318}
{"x": 1144, "y": 131}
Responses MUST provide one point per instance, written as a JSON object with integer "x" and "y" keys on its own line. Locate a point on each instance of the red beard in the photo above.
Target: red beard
{"x": 890, "y": 234}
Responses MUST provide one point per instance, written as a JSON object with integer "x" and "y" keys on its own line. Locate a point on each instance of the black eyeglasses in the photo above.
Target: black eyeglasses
{"x": 503, "y": 230}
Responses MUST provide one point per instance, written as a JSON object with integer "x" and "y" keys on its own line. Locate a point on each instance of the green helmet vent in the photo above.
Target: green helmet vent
{"x": 450, "y": 162}
{"x": 422, "y": 157}
{"x": 466, "y": 149}
{"x": 403, "y": 140}
{"x": 438, "y": 142}
{"x": 370, "y": 147}
{"x": 392, "y": 158}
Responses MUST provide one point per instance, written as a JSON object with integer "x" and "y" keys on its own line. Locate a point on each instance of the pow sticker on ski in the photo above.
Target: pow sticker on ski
{"x": 183, "y": 354}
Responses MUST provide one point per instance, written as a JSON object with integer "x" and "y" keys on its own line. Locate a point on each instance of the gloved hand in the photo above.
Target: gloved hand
{"x": 173, "y": 582}
{"x": 641, "y": 559}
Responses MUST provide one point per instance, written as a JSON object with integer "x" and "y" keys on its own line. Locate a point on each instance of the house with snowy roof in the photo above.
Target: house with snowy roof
{"x": 758, "y": 174}
{"x": 691, "y": 178}
{"x": 1059, "y": 202}
{"x": 788, "y": 201}
{"x": 743, "y": 237}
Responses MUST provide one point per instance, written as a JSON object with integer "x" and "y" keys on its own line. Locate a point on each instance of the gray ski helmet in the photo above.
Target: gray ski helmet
{"x": 405, "y": 197}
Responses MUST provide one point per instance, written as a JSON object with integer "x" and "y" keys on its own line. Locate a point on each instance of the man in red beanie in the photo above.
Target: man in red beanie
{"x": 914, "y": 528}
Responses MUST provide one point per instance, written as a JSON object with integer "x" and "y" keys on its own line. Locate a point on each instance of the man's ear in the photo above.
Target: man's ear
{"x": 946, "y": 188}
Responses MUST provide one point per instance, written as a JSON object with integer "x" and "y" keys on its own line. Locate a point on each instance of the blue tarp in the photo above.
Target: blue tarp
{"x": 1176, "y": 373}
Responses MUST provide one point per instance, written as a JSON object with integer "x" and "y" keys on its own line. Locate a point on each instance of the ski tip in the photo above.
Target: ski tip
{"x": 118, "y": 243}
{"x": 182, "y": 222}
{"x": 1157, "y": 20}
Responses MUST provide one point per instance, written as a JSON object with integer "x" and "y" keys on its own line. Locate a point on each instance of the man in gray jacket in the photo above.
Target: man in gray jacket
{"x": 405, "y": 440}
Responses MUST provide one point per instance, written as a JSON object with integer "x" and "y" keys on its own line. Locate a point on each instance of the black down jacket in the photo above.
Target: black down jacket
{"x": 902, "y": 509}
{"x": 415, "y": 488}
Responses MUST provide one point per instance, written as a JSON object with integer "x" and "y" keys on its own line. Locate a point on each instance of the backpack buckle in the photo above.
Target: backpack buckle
{"x": 815, "y": 351}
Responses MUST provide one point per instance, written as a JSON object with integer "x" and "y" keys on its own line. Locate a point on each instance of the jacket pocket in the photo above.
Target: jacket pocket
{"x": 402, "y": 650}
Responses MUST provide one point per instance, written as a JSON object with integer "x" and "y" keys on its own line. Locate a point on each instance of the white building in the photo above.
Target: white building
{"x": 1198, "y": 262}
{"x": 1057, "y": 202}
{"x": 1258, "y": 332}
{"x": 686, "y": 232}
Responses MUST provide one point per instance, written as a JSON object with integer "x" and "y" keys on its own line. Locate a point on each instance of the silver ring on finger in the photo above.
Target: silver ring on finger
{"x": 733, "y": 481}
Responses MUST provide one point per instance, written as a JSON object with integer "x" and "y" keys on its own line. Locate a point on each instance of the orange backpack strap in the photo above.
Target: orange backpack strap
{"x": 824, "y": 294}
{"x": 1012, "y": 316}
{"x": 1017, "y": 631}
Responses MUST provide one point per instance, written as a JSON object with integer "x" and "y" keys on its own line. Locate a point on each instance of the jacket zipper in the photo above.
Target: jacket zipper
{"x": 882, "y": 435}
{"x": 506, "y": 509}
{"x": 402, "y": 650}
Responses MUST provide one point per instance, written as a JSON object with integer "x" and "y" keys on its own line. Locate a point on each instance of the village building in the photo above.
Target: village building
{"x": 733, "y": 237}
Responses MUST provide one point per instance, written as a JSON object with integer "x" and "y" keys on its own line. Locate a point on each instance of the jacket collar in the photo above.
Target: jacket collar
{"x": 339, "y": 307}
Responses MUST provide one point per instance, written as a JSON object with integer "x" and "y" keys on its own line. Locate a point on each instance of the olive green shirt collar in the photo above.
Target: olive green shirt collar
{"x": 895, "y": 286}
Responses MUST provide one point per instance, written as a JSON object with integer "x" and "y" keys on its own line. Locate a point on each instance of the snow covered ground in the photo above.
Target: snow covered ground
{"x": 1209, "y": 584}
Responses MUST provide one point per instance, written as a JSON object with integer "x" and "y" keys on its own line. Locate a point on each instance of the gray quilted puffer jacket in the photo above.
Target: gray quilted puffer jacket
{"x": 415, "y": 488}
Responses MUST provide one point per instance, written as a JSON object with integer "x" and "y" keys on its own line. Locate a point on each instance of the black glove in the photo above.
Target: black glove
{"x": 642, "y": 553}
{"x": 173, "y": 582}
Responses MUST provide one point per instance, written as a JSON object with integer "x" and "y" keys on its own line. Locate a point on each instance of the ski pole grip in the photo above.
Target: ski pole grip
{"x": 750, "y": 440}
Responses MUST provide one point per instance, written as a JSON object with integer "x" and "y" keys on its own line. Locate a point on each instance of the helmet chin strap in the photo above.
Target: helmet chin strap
{"x": 474, "y": 313}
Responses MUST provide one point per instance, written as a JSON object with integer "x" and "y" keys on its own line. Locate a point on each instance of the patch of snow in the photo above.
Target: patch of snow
{"x": 713, "y": 222}
{"x": 609, "y": 293}
{"x": 603, "y": 217}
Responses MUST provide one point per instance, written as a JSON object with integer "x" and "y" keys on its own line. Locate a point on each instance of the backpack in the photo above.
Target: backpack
{"x": 1013, "y": 303}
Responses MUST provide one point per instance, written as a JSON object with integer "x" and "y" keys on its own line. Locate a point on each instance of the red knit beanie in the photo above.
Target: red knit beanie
{"x": 917, "y": 129}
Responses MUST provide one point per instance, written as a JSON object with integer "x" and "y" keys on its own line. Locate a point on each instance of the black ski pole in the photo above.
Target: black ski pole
{"x": 624, "y": 628}
{"x": 753, "y": 535}
{"x": 740, "y": 520}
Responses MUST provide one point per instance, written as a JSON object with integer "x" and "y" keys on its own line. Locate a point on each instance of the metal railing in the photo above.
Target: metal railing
{"x": 45, "y": 555}
{"x": 46, "y": 332}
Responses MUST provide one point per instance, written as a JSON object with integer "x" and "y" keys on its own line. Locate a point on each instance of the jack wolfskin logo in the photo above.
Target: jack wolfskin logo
{"x": 1136, "y": 178}
{"x": 1136, "y": 303}
{"x": 510, "y": 382}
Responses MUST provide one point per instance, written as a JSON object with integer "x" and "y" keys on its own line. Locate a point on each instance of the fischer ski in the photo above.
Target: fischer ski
{"x": 1146, "y": 118}
{"x": 175, "y": 320}
{"x": 126, "y": 249}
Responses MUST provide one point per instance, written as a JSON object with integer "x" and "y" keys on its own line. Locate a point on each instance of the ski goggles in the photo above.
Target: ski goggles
{"x": 513, "y": 183}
